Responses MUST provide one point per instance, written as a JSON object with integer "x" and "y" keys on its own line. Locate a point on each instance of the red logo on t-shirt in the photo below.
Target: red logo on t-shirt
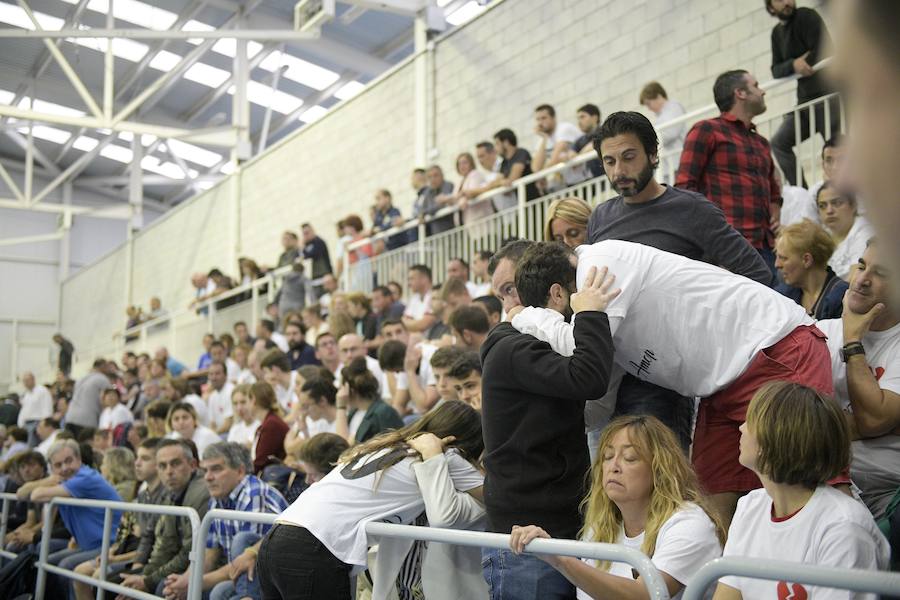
{"x": 792, "y": 591}
{"x": 878, "y": 372}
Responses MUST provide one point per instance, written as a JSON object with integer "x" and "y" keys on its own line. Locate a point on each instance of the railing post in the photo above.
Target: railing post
{"x": 812, "y": 138}
{"x": 41, "y": 584}
{"x": 104, "y": 549}
{"x": 254, "y": 303}
{"x": 421, "y": 228}
{"x": 4, "y": 516}
{"x": 520, "y": 213}
{"x": 195, "y": 581}
{"x": 211, "y": 316}
{"x": 142, "y": 338}
{"x": 798, "y": 166}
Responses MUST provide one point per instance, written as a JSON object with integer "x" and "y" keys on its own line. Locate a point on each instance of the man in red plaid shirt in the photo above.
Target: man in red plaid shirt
{"x": 727, "y": 161}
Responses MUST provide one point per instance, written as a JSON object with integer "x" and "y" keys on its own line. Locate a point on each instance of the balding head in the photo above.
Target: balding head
{"x": 198, "y": 280}
{"x": 351, "y": 346}
{"x": 161, "y": 353}
{"x": 28, "y": 380}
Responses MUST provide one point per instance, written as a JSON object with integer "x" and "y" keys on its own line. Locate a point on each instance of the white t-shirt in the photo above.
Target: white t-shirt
{"x": 851, "y": 248}
{"x": 373, "y": 367}
{"x": 355, "y": 421}
{"x": 243, "y": 433}
{"x": 115, "y": 416}
{"x": 679, "y": 323}
{"x": 200, "y": 406}
{"x": 426, "y": 373}
{"x": 317, "y": 426}
{"x": 874, "y": 467}
{"x": 480, "y": 289}
{"x": 35, "y": 405}
{"x": 203, "y": 437}
{"x": 797, "y": 205}
{"x": 233, "y": 370}
{"x": 280, "y": 341}
{"x": 832, "y": 530}
{"x": 219, "y": 404}
{"x": 685, "y": 542}
{"x": 395, "y": 499}
{"x": 564, "y": 132}
{"x": 44, "y": 446}
{"x": 246, "y": 376}
{"x": 418, "y": 305}
{"x": 286, "y": 396}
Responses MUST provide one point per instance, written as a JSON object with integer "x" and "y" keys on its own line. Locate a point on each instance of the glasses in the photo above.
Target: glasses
{"x": 834, "y": 202}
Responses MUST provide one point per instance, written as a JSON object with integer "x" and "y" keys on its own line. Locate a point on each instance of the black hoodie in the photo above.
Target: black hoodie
{"x": 533, "y": 399}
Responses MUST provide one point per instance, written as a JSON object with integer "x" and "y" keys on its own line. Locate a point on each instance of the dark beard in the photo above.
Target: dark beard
{"x": 641, "y": 182}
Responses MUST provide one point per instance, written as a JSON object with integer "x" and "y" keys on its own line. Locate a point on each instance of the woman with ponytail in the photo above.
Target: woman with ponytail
{"x": 369, "y": 415}
{"x": 644, "y": 494}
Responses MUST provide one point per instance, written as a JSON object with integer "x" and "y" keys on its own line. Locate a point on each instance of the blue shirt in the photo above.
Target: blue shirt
{"x": 250, "y": 495}
{"x": 86, "y": 524}
{"x": 174, "y": 367}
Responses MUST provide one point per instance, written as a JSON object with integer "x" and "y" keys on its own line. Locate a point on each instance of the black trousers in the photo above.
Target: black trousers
{"x": 637, "y": 397}
{"x": 784, "y": 139}
{"x": 294, "y": 565}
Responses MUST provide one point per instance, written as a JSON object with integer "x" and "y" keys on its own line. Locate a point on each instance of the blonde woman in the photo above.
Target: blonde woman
{"x": 645, "y": 496}
{"x": 567, "y": 221}
{"x": 802, "y": 251}
{"x": 118, "y": 470}
{"x": 182, "y": 423}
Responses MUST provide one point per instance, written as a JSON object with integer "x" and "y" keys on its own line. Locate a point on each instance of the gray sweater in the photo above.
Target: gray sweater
{"x": 681, "y": 222}
{"x": 84, "y": 409}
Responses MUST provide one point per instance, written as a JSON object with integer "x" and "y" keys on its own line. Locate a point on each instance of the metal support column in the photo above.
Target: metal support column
{"x": 420, "y": 35}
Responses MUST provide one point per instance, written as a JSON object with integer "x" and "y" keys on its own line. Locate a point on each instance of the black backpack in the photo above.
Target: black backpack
{"x": 290, "y": 482}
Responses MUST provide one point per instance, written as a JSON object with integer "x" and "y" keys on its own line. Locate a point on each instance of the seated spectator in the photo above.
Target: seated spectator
{"x": 243, "y": 431}
{"x": 458, "y": 268}
{"x": 72, "y": 479}
{"x": 834, "y": 155}
{"x": 472, "y": 180}
{"x": 278, "y": 374}
{"x": 300, "y": 353}
{"x": 553, "y": 146}
{"x": 416, "y": 390}
{"x": 205, "y": 358}
{"x": 796, "y": 439}
{"x": 454, "y": 294}
{"x": 35, "y": 404}
{"x": 848, "y": 230}
{"x": 16, "y": 443}
{"x": 327, "y": 352}
{"x": 231, "y": 486}
{"x": 396, "y": 291}
{"x": 589, "y": 123}
{"x": 265, "y": 331}
{"x": 314, "y": 323}
{"x": 29, "y": 467}
{"x": 437, "y": 331}
{"x": 645, "y": 496}
{"x": 437, "y": 194}
{"x": 308, "y": 529}
{"x": 417, "y": 317}
{"x": 219, "y": 352}
{"x": 492, "y": 306}
{"x": 470, "y": 327}
{"x": 268, "y": 446}
{"x": 46, "y": 430}
{"x": 387, "y": 216}
{"x": 242, "y": 360}
{"x": 294, "y": 289}
{"x": 317, "y": 413}
{"x": 319, "y": 455}
{"x": 340, "y": 323}
{"x": 654, "y": 97}
{"x": 360, "y": 310}
{"x": 176, "y": 465}
{"x": 217, "y": 397}
{"x": 516, "y": 164}
{"x": 242, "y": 334}
{"x": 481, "y": 281}
{"x": 369, "y": 414}
{"x": 329, "y": 288}
{"x": 156, "y": 414}
{"x": 351, "y": 347}
{"x": 441, "y": 362}
{"x": 171, "y": 365}
{"x": 567, "y": 221}
{"x": 182, "y": 424}
{"x": 114, "y": 412}
{"x": 384, "y": 307}
{"x": 802, "y": 251}
{"x": 465, "y": 377}
{"x": 118, "y": 470}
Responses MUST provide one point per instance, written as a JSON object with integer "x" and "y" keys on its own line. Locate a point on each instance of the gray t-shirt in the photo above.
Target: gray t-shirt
{"x": 875, "y": 471}
{"x": 84, "y": 409}
{"x": 681, "y": 222}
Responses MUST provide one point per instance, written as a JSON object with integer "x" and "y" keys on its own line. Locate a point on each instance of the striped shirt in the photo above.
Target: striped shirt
{"x": 250, "y": 495}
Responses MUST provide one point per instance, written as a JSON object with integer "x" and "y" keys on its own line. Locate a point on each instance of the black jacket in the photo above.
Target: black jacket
{"x": 533, "y": 399}
{"x": 804, "y": 32}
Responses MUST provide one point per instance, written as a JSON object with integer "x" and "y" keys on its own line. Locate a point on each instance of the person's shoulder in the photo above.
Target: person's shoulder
{"x": 752, "y": 504}
{"x": 695, "y": 200}
{"x": 831, "y": 327}
{"x": 521, "y": 154}
{"x": 836, "y": 509}
{"x": 804, "y": 14}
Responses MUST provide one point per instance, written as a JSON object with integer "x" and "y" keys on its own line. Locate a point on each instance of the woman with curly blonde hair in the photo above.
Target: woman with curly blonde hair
{"x": 644, "y": 495}
{"x": 567, "y": 221}
{"x": 118, "y": 470}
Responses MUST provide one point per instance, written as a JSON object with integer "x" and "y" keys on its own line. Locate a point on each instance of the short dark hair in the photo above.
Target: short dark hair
{"x": 487, "y": 146}
{"x": 506, "y": 135}
{"x": 50, "y": 422}
{"x": 268, "y": 324}
{"x": 835, "y": 141}
{"x": 512, "y": 250}
{"x": 322, "y": 335}
{"x": 112, "y": 390}
{"x": 423, "y": 269}
{"x": 188, "y": 447}
{"x": 725, "y": 85}
{"x": 652, "y": 90}
{"x": 31, "y": 457}
{"x": 277, "y": 359}
{"x": 150, "y": 443}
{"x": 443, "y": 358}
{"x": 217, "y": 343}
{"x": 238, "y": 324}
{"x": 391, "y": 355}
{"x": 485, "y": 254}
{"x": 469, "y": 318}
{"x": 321, "y": 388}
{"x": 387, "y": 322}
{"x": 99, "y": 363}
{"x": 544, "y": 264}
{"x": 546, "y": 108}
{"x": 383, "y": 290}
{"x": 218, "y": 363}
{"x": 158, "y": 409}
{"x": 419, "y": 170}
{"x": 461, "y": 260}
{"x": 590, "y": 109}
{"x": 17, "y": 433}
{"x": 464, "y": 366}
{"x": 323, "y": 450}
{"x": 632, "y": 122}
{"x": 491, "y": 304}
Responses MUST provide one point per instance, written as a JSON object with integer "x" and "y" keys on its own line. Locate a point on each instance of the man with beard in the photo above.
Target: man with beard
{"x": 299, "y": 352}
{"x": 678, "y": 221}
{"x": 727, "y": 161}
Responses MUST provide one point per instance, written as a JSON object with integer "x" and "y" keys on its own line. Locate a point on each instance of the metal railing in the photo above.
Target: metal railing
{"x": 876, "y": 582}
{"x": 6, "y": 498}
{"x": 195, "y": 556}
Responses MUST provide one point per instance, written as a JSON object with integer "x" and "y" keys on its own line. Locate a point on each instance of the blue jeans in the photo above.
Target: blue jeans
{"x": 69, "y": 559}
{"x": 523, "y": 577}
{"x": 243, "y": 587}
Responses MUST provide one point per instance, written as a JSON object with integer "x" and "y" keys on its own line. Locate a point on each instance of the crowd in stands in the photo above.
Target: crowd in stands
{"x": 695, "y": 368}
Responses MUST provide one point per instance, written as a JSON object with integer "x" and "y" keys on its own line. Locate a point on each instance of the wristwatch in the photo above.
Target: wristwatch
{"x": 852, "y": 349}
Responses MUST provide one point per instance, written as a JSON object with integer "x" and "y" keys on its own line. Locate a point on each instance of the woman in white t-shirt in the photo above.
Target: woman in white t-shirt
{"x": 182, "y": 423}
{"x": 472, "y": 211}
{"x": 850, "y": 231}
{"x": 311, "y": 554}
{"x": 644, "y": 495}
{"x": 114, "y": 412}
{"x": 243, "y": 430}
{"x": 796, "y": 440}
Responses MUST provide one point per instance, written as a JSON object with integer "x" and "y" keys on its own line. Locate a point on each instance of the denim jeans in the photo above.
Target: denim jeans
{"x": 243, "y": 587}
{"x": 523, "y": 577}
{"x": 69, "y": 559}
{"x": 638, "y": 397}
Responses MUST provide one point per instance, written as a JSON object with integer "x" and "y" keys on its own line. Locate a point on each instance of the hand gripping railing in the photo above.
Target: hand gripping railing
{"x": 876, "y": 582}
{"x": 195, "y": 556}
{"x": 195, "y": 586}
{"x": 478, "y": 539}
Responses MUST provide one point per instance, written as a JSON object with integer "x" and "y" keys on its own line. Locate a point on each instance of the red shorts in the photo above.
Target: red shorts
{"x": 801, "y": 357}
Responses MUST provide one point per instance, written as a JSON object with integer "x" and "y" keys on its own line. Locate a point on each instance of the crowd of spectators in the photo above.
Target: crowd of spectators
{"x": 695, "y": 368}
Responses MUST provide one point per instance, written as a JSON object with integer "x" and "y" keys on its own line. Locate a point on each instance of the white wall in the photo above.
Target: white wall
{"x": 488, "y": 74}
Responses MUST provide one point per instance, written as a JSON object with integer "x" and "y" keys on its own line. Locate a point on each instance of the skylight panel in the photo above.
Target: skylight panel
{"x": 348, "y": 90}
{"x": 7, "y": 97}
{"x": 139, "y": 13}
{"x": 227, "y": 168}
{"x": 50, "y": 134}
{"x": 314, "y": 113}
{"x": 146, "y": 139}
{"x": 50, "y": 108}
{"x": 193, "y": 153}
{"x": 264, "y": 95}
{"x": 85, "y": 143}
{"x": 117, "y": 153}
{"x": 15, "y": 16}
{"x": 152, "y": 164}
{"x": 207, "y": 75}
{"x": 165, "y": 61}
{"x": 122, "y": 48}
{"x": 299, "y": 70}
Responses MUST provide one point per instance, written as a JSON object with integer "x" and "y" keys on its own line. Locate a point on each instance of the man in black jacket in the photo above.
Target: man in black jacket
{"x": 536, "y": 455}
{"x": 799, "y": 41}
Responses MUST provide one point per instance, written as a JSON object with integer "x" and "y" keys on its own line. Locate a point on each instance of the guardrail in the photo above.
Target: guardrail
{"x": 195, "y": 556}
{"x": 6, "y": 498}
{"x": 876, "y": 582}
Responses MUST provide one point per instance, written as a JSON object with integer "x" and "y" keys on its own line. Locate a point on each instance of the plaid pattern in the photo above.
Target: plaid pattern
{"x": 733, "y": 167}
{"x": 250, "y": 495}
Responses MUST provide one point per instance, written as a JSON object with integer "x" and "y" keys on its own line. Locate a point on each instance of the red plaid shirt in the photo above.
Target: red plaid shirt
{"x": 732, "y": 166}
